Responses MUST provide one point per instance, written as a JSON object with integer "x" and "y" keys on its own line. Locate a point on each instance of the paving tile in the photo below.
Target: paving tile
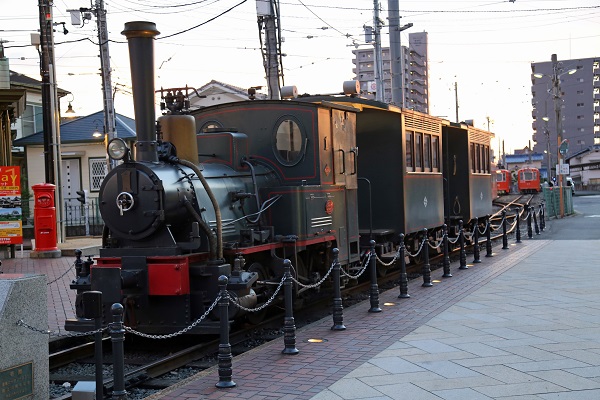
{"x": 566, "y": 379}
{"x": 536, "y": 387}
{"x": 505, "y": 374}
{"x": 460, "y": 394}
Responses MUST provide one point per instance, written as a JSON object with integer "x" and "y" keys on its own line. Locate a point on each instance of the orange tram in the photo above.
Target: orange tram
{"x": 528, "y": 180}
{"x": 503, "y": 179}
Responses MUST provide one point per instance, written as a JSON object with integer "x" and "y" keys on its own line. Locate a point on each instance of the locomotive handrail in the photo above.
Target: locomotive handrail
{"x": 262, "y": 209}
{"x": 343, "y": 161}
{"x": 354, "y": 151}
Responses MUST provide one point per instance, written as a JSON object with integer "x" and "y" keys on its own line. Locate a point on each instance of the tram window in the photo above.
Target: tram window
{"x": 418, "y": 152}
{"x": 487, "y": 159}
{"x": 409, "y": 151}
{"x": 477, "y": 158}
{"x": 289, "y": 141}
{"x": 427, "y": 152}
{"x": 210, "y": 126}
{"x": 435, "y": 151}
{"x": 473, "y": 160}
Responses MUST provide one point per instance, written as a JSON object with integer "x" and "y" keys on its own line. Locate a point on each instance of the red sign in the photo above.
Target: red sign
{"x": 11, "y": 225}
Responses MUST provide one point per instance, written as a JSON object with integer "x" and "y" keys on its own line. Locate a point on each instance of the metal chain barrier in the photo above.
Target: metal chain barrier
{"x": 418, "y": 251}
{"x": 184, "y": 330}
{"x": 380, "y": 261}
{"x": 265, "y": 304}
{"x": 487, "y": 226}
{"x": 437, "y": 246}
{"x": 362, "y": 269}
{"x": 52, "y": 333}
{"x": 60, "y": 277}
{"x": 314, "y": 285}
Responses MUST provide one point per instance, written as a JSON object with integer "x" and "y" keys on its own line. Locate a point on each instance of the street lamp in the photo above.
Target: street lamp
{"x": 556, "y": 75}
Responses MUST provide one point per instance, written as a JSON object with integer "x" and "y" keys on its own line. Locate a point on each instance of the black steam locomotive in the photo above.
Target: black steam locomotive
{"x": 235, "y": 189}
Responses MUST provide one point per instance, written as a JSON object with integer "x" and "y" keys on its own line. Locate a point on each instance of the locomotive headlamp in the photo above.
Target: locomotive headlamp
{"x": 117, "y": 149}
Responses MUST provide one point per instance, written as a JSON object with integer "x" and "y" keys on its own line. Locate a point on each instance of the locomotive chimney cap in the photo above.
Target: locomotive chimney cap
{"x": 140, "y": 29}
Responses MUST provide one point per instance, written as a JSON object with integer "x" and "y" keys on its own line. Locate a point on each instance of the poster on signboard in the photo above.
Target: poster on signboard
{"x": 11, "y": 225}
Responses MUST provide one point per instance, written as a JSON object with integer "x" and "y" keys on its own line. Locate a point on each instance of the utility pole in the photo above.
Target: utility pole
{"x": 556, "y": 95}
{"x": 456, "y": 99}
{"x": 50, "y": 116}
{"x": 267, "y": 16}
{"x": 379, "y": 88}
{"x": 110, "y": 126}
{"x": 396, "y": 52}
{"x": 109, "y": 106}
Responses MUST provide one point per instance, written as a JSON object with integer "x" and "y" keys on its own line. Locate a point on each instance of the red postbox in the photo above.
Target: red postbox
{"x": 44, "y": 217}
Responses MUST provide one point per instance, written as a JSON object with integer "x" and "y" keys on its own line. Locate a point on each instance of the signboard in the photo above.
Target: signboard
{"x": 563, "y": 169}
{"x": 16, "y": 382}
{"x": 11, "y": 226}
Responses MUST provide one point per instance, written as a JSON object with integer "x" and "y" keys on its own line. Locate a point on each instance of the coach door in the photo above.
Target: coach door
{"x": 345, "y": 156}
{"x": 345, "y": 152}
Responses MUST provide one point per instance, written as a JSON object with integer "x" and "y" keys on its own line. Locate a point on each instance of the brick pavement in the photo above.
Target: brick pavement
{"x": 264, "y": 373}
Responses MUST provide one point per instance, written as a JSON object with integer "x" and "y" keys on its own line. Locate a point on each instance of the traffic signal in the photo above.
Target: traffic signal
{"x": 82, "y": 196}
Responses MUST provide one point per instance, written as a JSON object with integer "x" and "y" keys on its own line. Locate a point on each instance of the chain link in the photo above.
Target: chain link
{"x": 181, "y": 332}
{"x": 264, "y": 305}
{"x": 314, "y": 285}
{"x": 380, "y": 261}
{"x": 60, "y": 277}
{"x": 23, "y": 324}
{"x": 440, "y": 243}
{"x": 362, "y": 270}
{"x": 418, "y": 251}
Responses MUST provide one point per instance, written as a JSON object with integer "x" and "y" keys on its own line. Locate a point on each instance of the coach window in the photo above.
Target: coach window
{"x": 289, "y": 141}
{"x": 409, "y": 152}
{"x": 418, "y": 152}
{"x": 427, "y": 153}
{"x": 435, "y": 151}
{"x": 473, "y": 158}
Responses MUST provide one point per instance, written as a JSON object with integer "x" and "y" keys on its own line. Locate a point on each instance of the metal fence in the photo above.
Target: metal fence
{"x": 79, "y": 219}
{"x": 552, "y": 198}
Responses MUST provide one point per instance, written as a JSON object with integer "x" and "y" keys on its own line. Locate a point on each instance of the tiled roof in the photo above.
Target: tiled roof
{"x": 80, "y": 130}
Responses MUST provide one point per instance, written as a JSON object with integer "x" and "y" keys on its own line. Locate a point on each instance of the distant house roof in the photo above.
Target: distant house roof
{"x": 20, "y": 80}
{"x": 80, "y": 130}
{"x": 216, "y": 87}
{"x": 583, "y": 151}
{"x": 523, "y": 158}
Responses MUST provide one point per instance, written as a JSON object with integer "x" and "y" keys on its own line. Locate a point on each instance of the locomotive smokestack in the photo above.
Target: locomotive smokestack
{"x": 140, "y": 35}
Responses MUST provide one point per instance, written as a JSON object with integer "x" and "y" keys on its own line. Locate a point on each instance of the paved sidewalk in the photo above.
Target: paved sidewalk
{"x": 522, "y": 325}
{"x": 531, "y": 333}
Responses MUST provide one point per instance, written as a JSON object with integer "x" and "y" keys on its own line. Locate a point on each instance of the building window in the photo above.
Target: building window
{"x": 580, "y": 92}
{"x": 98, "y": 170}
{"x": 580, "y": 104}
{"x": 580, "y": 117}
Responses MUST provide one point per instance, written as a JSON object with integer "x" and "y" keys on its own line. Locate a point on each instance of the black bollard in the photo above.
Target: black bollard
{"x": 529, "y": 230}
{"x": 476, "y": 255}
{"x": 488, "y": 238}
{"x": 446, "y": 262}
{"x": 374, "y": 292}
{"x": 92, "y": 309}
{"x": 224, "y": 356}
{"x": 504, "y": 237}
{"x": 542, "y": 216}
{"x": 338, "y": 313}
{"x": 535, "y": 223}
{"x": 117, "y": 338}
{"x": 461, "y": 239}
{"x": 426, "y": 266}
{"x": 289, "y": 325}
{"x": 403, "y": 277}
{"x": 518, "y": 217}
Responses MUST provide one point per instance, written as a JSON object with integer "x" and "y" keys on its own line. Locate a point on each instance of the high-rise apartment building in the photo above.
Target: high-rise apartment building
{"x": 570, "y": 91}
{"x": 415, "y": 87}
